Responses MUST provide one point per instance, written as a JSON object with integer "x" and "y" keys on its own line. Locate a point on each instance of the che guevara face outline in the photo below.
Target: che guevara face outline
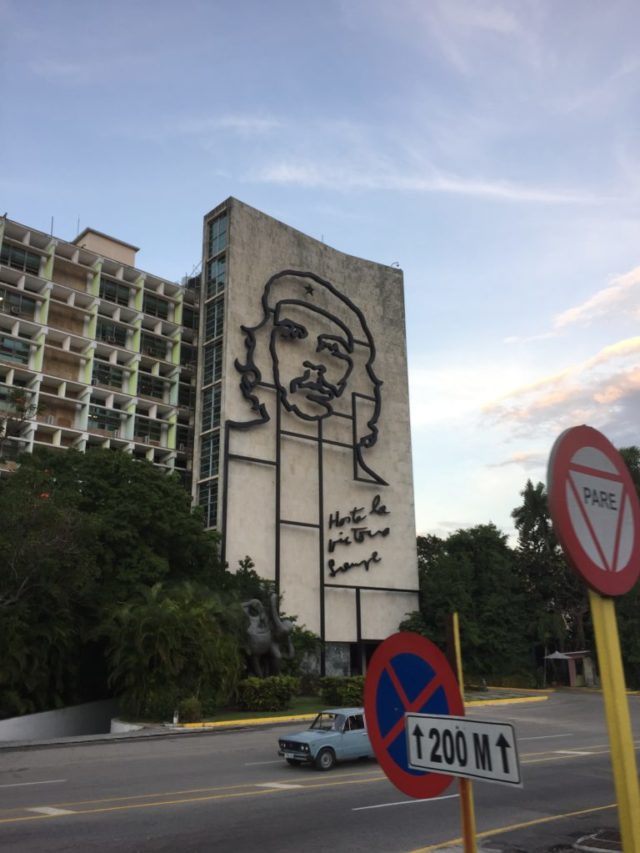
{"x": 311, "y": 351}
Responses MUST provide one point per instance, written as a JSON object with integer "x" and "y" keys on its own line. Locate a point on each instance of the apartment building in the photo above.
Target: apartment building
{"x": 105, "y": 351}
{"x": 275, "y": 383}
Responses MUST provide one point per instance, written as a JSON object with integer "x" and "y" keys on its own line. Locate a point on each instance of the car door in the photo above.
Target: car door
{"x": 354, "y": 737}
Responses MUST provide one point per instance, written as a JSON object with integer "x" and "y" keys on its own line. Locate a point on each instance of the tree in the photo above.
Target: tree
{"x": 169, "y": 643}
{"x": 18, "y": 408}
{"x": 472, "y": 572}
{"x": 80, "y": 535}
{"x": 558, "y": 604}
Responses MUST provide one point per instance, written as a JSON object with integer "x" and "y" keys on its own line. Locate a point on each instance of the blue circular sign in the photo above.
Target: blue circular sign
{"x": 408, "y": 674}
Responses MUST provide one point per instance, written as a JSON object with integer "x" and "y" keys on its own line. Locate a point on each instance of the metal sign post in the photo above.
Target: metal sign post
{"x": 596, "y": 515}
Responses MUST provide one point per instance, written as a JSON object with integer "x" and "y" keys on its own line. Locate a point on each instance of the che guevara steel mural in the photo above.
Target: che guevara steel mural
{"x": 311, "y": 358}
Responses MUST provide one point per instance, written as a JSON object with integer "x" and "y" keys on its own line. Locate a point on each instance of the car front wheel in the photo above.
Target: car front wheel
{"x": 325, "y": 759}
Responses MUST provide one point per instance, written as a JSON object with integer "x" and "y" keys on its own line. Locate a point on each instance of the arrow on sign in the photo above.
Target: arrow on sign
{"x": 417, "y": 733}
{"x": 503, "y": 745}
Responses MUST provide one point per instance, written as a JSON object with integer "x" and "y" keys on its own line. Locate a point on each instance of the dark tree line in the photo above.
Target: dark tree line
{"x": 516, "y": 604}
{"x": 110, "y": 586}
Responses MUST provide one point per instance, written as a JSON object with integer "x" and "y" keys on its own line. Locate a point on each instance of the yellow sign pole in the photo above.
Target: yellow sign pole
{"x": 466, "y": 791}
{"x": 623, "y": 756}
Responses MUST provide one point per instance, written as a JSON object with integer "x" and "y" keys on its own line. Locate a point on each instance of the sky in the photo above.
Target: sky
{"x": 490, "y": 149}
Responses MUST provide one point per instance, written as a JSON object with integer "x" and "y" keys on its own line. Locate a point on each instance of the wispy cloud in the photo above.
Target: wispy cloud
{"x": 603, "y": 390}
{"x": 623, "y": 294}
{"x": 315, "y": 175}
{"x": 529, "y": 460}
{"x": 620, "y": 298}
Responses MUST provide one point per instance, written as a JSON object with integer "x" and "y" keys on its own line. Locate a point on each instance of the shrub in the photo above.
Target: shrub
{"x": 267, "y": 694}
{"x": 344, "y": 691}
{"x": 190, "y": 710}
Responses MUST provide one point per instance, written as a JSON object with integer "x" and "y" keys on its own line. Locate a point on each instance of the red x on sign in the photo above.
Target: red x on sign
{"x": 407, "y": 674}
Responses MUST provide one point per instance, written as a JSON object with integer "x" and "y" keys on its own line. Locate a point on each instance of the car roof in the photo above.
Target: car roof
{"x": 344, "y": 711}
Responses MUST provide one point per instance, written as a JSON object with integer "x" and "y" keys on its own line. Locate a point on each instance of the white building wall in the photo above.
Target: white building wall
{"x": 295, "y": 480}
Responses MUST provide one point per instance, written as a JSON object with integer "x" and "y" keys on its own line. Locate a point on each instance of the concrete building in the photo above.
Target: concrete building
{"x": 275, "y": 383}
{"x": 303, "y": 451}
{"x": 104, "y": 352}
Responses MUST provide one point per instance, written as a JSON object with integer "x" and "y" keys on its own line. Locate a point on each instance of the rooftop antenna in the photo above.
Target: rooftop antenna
{"x": 52, "y": 226}
{"x": 78, "y": 227}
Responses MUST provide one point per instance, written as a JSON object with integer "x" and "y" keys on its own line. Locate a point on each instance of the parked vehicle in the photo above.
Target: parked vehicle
{"x": 339, "y": 734}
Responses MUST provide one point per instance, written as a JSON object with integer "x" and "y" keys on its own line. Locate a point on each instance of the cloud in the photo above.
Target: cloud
{"x": 319, "y": 175}
{"x": 603, "y": 391}
{"x": 531, "y": 459}
{"x": 622, "y": 295}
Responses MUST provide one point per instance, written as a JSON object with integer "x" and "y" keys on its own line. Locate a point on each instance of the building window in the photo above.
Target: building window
{"x": 208, "y": 500}
{"x": 112, "y": 291}
{"x": 209, "y": 455}
{"x": 154, "y": 306}
{"x": 187, "y": 355}
{"x": 147, "y": 430}
{"x": 189, "y": 318}
{"x": 14, "y": 302}
{"x": 216, "y": 275}
{"x": 20, "y": 259}
{"x": 218, "y": 234}
{"x": 185, "y": 395}
{"x": 212, "y": 363}
{"x": 106, "y": 374}
{"x": 111, "y": 333}
{"x": 104, "y": 419}
{"x": 13, "y": 349}
{"x": 151, "y": 386}
{"x": 152, "y": 345}
{"x": 214, "y": 319}
{"x": 183, "y": 438}
{"x": 211, "y": 408}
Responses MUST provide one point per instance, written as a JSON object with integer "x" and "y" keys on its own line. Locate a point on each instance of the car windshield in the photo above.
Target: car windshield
{"x": 327, "y": 722}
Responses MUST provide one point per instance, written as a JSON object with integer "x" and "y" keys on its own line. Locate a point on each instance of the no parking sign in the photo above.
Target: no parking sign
{"x": 407, "y": 674}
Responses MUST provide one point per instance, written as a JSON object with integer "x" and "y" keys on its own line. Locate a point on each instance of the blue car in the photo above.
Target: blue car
{"x": 339, "y": 734}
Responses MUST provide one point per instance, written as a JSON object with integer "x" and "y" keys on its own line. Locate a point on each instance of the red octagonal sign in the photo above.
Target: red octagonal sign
{"x": 595, "y": 510}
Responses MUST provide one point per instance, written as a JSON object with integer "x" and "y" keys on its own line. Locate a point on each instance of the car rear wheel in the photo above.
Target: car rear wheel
{"x": 325, "y": 759}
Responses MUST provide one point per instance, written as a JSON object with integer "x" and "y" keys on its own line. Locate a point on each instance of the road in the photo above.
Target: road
{"x": 228, "y": 791}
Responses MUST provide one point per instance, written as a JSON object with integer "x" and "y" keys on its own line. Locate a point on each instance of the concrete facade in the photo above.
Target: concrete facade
{"x": 311, "y": 422}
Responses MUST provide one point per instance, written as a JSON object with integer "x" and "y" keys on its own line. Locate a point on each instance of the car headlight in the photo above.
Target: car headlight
{"x": 305, "y": 747}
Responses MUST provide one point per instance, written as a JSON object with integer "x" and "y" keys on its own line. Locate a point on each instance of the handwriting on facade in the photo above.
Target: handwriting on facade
{"x": 355, "y": 527}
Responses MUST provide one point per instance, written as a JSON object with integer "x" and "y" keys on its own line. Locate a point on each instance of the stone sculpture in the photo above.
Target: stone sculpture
{"x": 264, "y": 636}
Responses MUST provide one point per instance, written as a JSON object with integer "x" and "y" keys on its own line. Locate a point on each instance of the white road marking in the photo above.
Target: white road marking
{"x": 256, "y": 763}
{"x": 405, "y": 803}
{"x": 23, "y": 784}
{"x": 49, "y": 810}
{"x": 277, "y": 785}
{"x": 571, "y": 752}
{"x": 545, "y": 737}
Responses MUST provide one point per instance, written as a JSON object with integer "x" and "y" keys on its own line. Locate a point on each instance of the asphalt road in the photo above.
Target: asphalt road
{"x": 228, "y": 791}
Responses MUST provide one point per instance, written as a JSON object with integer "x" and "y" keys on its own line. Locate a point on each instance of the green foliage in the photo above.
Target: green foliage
{"x": 82, "y": 536}
{"x": 342, "y": 691}
{"x": 267, "y": 694}
{"x": 184, "y": 636}
{"x": 190, "y": 710}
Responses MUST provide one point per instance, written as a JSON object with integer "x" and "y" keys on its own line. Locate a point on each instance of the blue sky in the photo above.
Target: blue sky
{"x": 490, "y": 148}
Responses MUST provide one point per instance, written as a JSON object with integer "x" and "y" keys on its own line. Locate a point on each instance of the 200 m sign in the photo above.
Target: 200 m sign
{"x": 458, "y": 746}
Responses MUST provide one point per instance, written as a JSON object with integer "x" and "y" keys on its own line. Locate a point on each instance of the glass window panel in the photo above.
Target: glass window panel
{"x": 13, "y": 349}
{"x": 20, "y": 259}
{"x": 209, "y": 455}
{"x": 218, "y": 234}
{"x": 208, "y": 500}
{"x": 111, "y": 333}
{"x": 212, "y": 363}
{"x": 152, "y": 345}
{"x": 154, "y": 306}
{"x": 113, "y": 291}
{"x": 211, "y": 408}
{"x": 216, "y": 275}
{"x": 214, "y": 323}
